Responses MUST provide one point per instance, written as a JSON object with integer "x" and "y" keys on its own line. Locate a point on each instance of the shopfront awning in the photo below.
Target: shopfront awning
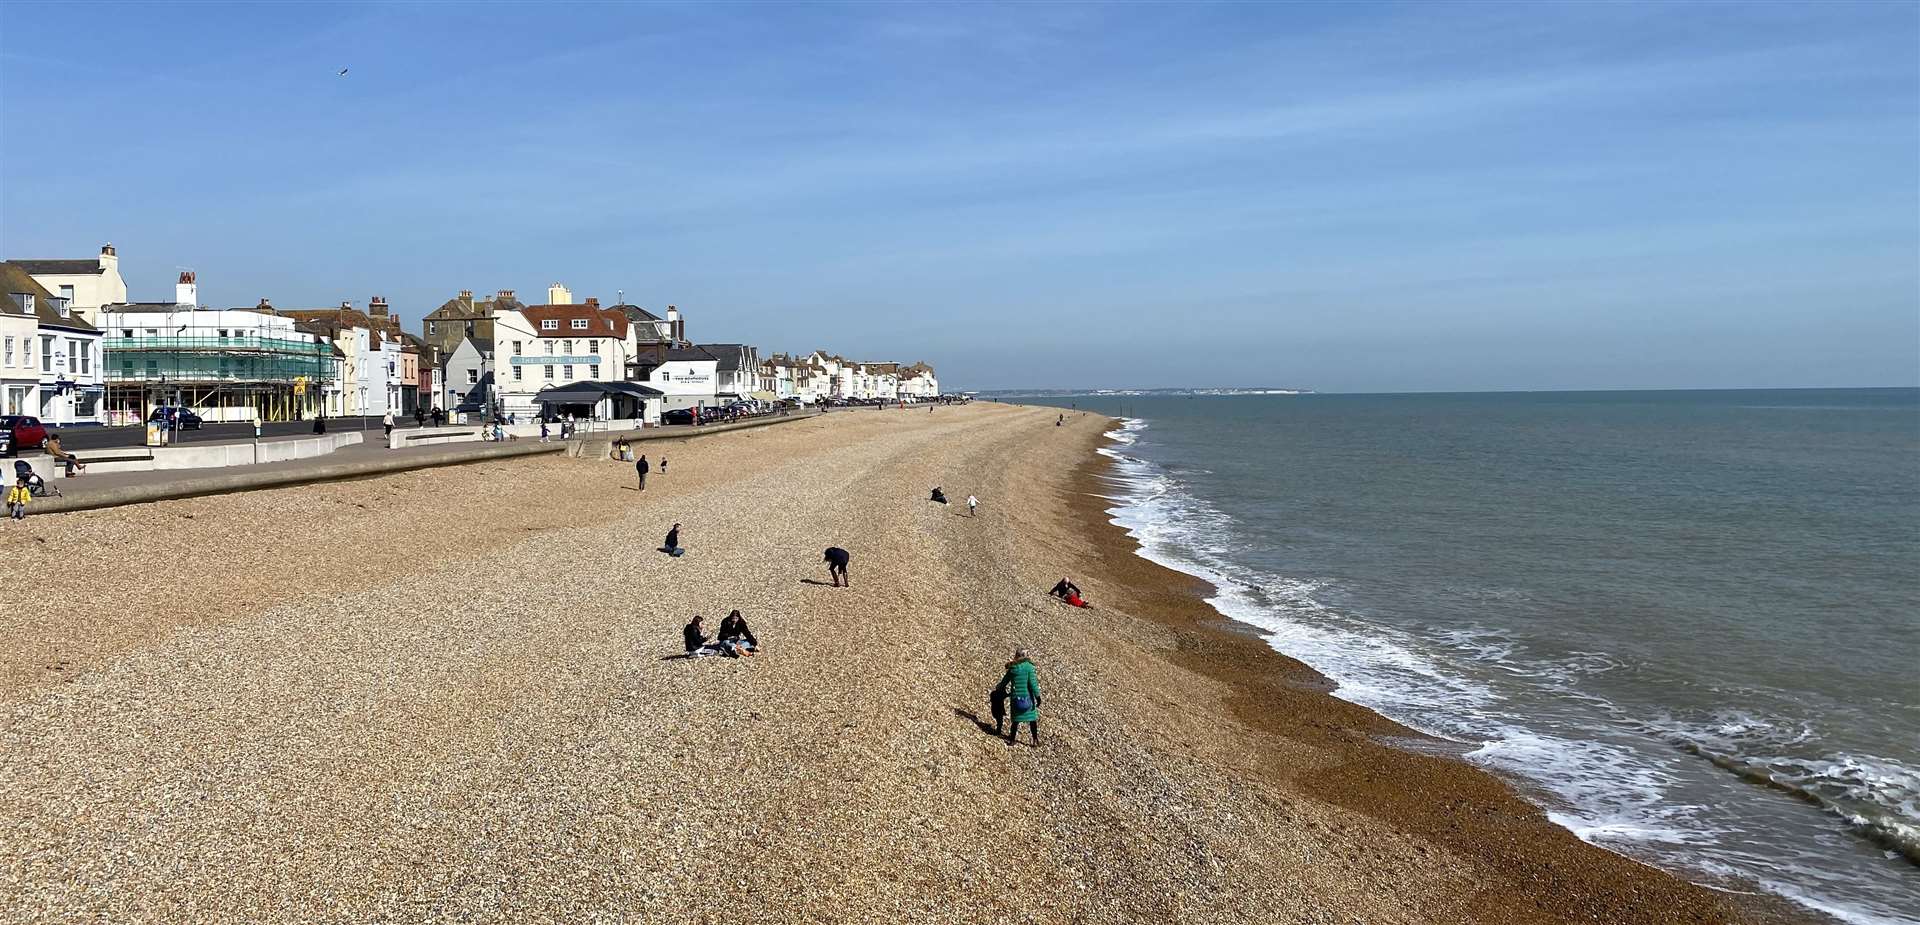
{"x": 589, "y": 393}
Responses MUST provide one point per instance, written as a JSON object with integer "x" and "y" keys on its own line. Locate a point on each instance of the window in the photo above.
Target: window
{"x": 473, "y": 377}
{"x": 550, "y": 324}
{"x": 46, "y": 353}
{"x": 84, "y": 352}
{"x": 469, "y": 329}
{"x": 9, "y": 361}
{"x": 516, "y": 348}
{"x": 593, "y": 346}
{"x": 568, "y": 349}
{"x": 153, "y": 332}
{"x": 66, "y": 292}
{"x": 593, "y": 372}
{"x": 549, "y": 347}
{"x": 126, "y": 332}
{"x": 549, "y": 370}
{"x": 568, "y": 372}
{"x": 433, "y": 327}
{"x": 26, "y": 302}
{"x": 223, "y": 333}
{"x": 579, "y": 324}
{"x": 517, "y": 370}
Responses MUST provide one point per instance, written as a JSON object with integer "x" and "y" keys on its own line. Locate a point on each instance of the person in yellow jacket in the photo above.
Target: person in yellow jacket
{"x": 17, "y": 498}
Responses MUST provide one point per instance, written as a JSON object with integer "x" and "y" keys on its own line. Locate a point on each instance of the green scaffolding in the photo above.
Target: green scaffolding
{"x": 222, "y": 378}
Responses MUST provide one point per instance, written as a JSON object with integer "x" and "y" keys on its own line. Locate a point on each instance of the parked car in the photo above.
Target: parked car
{"x": 19, "y": 432}
{"x": 175, "y": 417}
{"x": 677, "y": 416}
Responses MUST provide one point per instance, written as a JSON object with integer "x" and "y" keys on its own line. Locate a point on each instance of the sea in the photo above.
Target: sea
{"x": 1686, "y": 623}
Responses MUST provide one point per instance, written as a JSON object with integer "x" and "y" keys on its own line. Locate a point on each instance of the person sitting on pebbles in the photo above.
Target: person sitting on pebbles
{"x": 672, "y": 545}
{"x": 735, "y": 638}
{"x": 695, "y": 639}
{"x": 939, "y": 497}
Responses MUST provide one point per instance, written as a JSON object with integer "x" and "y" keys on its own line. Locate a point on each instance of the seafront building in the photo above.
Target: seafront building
{"x": 75, "y": 350}
{"x": 223, "y": 364}
{"x": 86, "y": 284}
{"x": 51, "y": 355}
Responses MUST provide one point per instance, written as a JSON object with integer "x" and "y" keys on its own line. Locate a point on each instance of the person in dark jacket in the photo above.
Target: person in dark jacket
{"x": 693, "y": 637}
{"x": 672, "y": 546}
{"x": 1021, "y": 684}
{"x": 1064, "y": 589}
{"x": 939, "y": 497}
{"x": 837, "y": 566}
{"x": 734, "y": 636}
{"x": 320, "y": 424}
{"x": 641, "y": 468}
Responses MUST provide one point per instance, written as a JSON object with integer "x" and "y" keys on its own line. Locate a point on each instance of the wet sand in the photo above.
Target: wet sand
{"x": 450, "y": 696}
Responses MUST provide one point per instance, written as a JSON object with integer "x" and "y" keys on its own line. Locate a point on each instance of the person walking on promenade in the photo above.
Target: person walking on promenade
{"x": 1021, "y": 685}
{"x": 641, "y": 469}
{"x": 17, "y": 498}
{"x": 973, "y": 504}
{"x": 837, "y": 566}
{"x": 386, "y": 425}
{"x": 543, "y": 430}
{"x": 419, "y": 416}
{"x": 320, "y": 423}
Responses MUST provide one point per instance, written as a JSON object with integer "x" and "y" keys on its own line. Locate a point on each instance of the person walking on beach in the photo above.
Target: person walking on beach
{"x": 837, "y": 566}
{"x": 973, "y": 504}
{"x": 663, "y": 465}
{"x": 1021, "y": 685}
{"x": 641, "y": 469}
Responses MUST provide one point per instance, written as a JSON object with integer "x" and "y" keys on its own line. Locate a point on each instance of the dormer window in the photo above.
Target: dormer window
{"x": 579, "y": 324}
{"x": 549, "y": 324}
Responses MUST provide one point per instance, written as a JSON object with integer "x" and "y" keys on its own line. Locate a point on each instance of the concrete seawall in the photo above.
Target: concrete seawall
{"x": 191, "y": 484}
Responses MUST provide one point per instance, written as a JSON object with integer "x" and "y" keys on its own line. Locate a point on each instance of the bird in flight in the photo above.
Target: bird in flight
{"x": 343, "y": 73}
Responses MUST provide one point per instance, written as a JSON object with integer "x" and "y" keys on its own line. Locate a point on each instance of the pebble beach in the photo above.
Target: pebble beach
{"x": 451, "y": 695}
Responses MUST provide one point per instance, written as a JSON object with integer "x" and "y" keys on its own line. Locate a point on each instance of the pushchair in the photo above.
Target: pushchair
{"x": 36, "y": 486}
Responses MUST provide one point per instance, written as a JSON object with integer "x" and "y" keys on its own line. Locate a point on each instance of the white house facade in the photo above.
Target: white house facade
{"x": 545, "y": 347}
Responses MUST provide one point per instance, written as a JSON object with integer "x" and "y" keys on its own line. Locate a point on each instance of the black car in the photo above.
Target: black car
{"x": 176, "y": 418}
{"x": 677, "y": 416}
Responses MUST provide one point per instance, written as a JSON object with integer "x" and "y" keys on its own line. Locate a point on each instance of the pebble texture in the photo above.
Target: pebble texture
{"x": 448, "y": 696}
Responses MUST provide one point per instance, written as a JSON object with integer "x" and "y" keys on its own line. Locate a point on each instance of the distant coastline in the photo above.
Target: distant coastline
{"x": 1091, "y": 393}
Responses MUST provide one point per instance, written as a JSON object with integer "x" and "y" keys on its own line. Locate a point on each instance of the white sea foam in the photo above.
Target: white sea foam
{"x": 1612, "y": 793}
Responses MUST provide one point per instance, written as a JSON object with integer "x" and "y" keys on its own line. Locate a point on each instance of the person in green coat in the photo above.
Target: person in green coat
{"x": 1021, "y": 687}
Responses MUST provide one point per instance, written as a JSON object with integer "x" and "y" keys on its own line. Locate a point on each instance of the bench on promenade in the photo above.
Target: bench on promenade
{"x": 439, "y": 434}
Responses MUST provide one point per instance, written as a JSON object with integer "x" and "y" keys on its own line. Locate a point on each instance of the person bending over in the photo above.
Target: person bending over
{"x": 1065, "y": 589}
{"x": 837, "y": 566}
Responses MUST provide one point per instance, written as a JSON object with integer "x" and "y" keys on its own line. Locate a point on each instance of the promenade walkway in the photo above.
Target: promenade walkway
{"x": 356, "y": 461}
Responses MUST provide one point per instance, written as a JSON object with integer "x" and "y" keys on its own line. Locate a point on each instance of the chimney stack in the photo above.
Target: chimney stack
{"x": 559, "y": 294}
{"x": 676, "y": 326}
{"x": 186, "y": 291}
{"x": 377, "y": 306}
{"x": 593, "y": 302}
{"x": 264, "y": 306}
{"x": 466, "y": 295}
{"x": 506, "y": 295}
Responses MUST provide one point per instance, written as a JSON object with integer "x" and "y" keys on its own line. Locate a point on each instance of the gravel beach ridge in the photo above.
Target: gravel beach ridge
{"x": 448, "y": 696}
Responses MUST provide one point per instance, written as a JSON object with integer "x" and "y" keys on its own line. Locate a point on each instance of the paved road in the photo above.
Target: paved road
{"x": 96, "y": 438}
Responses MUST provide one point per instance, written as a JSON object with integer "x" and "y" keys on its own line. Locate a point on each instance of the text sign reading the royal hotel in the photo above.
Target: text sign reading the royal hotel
{"x": 557, "y": 361}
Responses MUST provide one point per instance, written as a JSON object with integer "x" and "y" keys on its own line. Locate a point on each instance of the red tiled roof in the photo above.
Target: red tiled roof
{"x": 601, "y": 322}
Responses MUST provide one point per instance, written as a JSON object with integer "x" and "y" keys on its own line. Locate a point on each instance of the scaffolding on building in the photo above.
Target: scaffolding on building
{"x": 220, "y": 378}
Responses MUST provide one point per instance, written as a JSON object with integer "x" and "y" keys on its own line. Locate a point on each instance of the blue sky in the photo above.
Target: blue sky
{"x": 1337, "y": 196}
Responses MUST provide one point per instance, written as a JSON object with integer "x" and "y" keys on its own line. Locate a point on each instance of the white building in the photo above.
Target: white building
{"x": 686, "y": 377}
{"x": 918, "y": 382}
{"x": 86, "y": 284}
{"x": 19, "y": 334}
{"x": 736, "y": 370}
{"x": 542, "y": 347}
